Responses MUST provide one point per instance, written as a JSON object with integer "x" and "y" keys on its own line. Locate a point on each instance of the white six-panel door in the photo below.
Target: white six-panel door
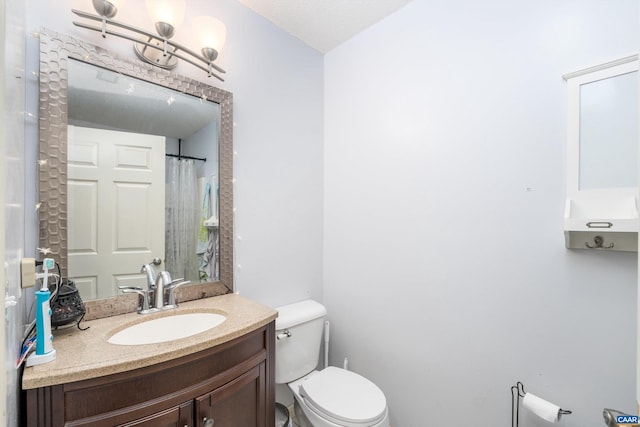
{"x": 116, "y": 191}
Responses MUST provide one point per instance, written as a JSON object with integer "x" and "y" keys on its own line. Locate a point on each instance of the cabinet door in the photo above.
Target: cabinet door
{"x": 240, "y": 402}
{"x": 178, "y": 416}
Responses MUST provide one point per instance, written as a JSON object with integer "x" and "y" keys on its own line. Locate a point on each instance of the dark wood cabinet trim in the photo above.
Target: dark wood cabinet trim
{"x": 270, "y": 374}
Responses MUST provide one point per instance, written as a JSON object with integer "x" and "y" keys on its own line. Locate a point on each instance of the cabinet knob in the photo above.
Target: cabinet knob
{"x": 207, "y": 422}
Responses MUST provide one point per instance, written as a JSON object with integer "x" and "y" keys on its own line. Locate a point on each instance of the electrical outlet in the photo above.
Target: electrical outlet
{"x": 28, "y": 272}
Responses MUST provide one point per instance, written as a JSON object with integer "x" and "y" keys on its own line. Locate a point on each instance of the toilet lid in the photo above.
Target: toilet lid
{"x": 344, "y": 395}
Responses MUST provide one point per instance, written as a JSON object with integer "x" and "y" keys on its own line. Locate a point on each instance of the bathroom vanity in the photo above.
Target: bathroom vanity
{"x": 222, "y": 377}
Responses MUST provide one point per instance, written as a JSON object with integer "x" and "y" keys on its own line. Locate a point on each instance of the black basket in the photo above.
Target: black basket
{"x": 67, "y": 307}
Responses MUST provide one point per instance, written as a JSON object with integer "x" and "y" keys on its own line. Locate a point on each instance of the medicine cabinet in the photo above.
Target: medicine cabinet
{"x": 601, "y": 209}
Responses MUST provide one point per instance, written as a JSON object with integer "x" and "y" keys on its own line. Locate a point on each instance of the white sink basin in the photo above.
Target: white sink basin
{"x": 168, "y": 328}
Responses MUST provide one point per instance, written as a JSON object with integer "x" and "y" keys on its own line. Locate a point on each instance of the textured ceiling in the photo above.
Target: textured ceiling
{"x": 324, "y": 24}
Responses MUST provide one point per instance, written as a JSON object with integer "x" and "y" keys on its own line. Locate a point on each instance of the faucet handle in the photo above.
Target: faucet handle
{"x": 144, "y": 295}
{"x": 171, "y": 303}
{"x": 130, "y": 288}
{"x": 177, "y": 283}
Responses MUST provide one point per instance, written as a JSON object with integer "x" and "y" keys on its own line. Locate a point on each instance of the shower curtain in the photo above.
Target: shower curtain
{"x": 182, "y": 219}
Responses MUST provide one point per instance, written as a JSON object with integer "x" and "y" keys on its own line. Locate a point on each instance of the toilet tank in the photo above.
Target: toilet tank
{"x": 299, "y": 329}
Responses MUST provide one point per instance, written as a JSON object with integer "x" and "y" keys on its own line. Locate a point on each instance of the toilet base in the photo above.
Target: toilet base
{"x": 301, "y": 417}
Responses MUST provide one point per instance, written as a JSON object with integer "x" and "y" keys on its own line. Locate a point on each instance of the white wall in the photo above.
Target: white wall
{"x": 12, "y": 161}
{"x": 199, "y": 145}
{"x": 3, "y": 287}
{"x": 445, "y": 273}
{"x": 277, "y": 85}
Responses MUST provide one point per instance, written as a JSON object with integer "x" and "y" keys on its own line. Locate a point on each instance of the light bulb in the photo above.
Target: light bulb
{"x": 211, "y": 33}
{"x": 169, "y": 12}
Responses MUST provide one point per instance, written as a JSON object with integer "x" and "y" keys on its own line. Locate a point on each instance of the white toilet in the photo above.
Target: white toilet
{"x": 332, "y": 397}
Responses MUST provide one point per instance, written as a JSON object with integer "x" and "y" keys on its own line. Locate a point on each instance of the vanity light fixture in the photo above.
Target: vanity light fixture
{"x": 157, "y": 49}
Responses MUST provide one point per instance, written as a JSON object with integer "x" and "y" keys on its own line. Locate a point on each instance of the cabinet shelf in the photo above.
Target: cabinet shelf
{"x": 597, "y": 223}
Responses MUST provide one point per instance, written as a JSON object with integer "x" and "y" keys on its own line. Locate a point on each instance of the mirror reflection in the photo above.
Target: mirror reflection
{"x": 142, "y": 181}
{"x": 609, "y": 132}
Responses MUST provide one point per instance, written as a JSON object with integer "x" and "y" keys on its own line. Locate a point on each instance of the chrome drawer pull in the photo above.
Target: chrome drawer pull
{"x": 599, "y": 224}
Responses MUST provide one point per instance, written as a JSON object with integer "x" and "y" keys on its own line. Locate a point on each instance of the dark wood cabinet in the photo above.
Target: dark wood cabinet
{"x": 229, "y": 385}
{"x": 178, "y": 416}
{"x": 238, "y": 403}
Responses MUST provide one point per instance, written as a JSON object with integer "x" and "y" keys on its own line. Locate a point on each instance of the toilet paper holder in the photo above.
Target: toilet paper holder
{"x": 517, "y": 392}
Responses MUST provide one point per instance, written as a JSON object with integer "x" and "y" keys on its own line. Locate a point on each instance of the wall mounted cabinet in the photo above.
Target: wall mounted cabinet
{"x": 601, "y": 210}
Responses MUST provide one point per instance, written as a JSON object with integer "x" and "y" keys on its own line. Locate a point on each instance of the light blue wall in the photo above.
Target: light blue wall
{"x": 446, "y": 277}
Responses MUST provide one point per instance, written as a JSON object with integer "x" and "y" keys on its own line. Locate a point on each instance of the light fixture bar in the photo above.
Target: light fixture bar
{"x": 176, "y": 46}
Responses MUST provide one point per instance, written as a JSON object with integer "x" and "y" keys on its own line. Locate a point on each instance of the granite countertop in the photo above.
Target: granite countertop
{"x": 82, "y": 355}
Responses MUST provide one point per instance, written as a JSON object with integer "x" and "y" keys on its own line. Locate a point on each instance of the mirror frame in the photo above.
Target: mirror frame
{"x": 55, "y": 52}
{"x": 574, "y": 83}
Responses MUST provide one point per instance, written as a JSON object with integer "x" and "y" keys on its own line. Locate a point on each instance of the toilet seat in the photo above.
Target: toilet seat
{"x": 344, "y": 397}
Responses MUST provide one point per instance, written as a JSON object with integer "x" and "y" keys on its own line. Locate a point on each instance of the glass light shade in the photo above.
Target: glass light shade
{"x": 211, "y": 32}
{"x": 168, "y": 11}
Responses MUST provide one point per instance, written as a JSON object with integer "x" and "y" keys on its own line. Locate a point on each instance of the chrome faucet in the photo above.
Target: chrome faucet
{"x": 152, "y": 299}
{"x": 143, "y": 293}
{"x": 149, "y": 271}
{"x": 163, "y": 279}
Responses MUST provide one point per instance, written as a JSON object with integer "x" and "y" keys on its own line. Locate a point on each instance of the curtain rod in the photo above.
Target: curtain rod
{"x": 180, "y": 156}
{"x": 187, "y": 157}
